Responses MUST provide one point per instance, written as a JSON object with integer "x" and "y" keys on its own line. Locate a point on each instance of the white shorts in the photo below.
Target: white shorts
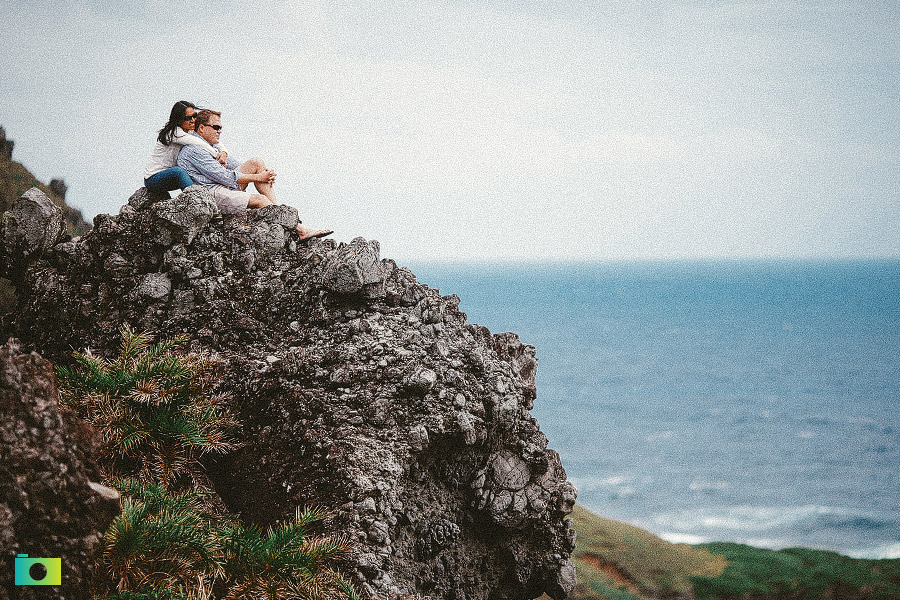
{"x": 228, "y": 200}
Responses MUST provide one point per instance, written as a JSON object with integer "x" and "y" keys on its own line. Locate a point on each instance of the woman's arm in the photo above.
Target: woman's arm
{"x": 183, "y": 138}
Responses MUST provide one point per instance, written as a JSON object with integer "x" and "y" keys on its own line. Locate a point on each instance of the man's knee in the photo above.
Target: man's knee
{"x": 253, "y": 165}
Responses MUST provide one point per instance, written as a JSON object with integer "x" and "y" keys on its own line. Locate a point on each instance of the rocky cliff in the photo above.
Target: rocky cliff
{"x": 359, "y": 388}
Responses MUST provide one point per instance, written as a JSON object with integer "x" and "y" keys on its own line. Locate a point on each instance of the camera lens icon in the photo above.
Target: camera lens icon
{"x": 38, "y": 571}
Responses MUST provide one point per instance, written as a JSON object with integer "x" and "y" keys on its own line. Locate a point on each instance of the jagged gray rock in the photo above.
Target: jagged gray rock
{"x": 360, "y": 389}
{"x": 178, "y": 221}
{"x": 32, "y": 226}
{"x": 143, "y": 197}
{"x": 49, "y": 508}
{"x": 355, "y": 269}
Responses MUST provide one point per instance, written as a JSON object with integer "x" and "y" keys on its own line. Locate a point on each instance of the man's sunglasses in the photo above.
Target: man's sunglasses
{"x": 216, "y": 127}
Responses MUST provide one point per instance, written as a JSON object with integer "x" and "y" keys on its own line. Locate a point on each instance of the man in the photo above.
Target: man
{"x": 228, "y": 183}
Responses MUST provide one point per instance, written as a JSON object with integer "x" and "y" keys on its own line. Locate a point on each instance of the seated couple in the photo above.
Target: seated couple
{"x": 187, "y": 152}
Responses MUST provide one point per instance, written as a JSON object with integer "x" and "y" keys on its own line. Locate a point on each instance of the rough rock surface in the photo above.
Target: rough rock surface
{"x": 31, "y": 226}
{"x": 49, "y": 508}
{"x": 360, "y": 389}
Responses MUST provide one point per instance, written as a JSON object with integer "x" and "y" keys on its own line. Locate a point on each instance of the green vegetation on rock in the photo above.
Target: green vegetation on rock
{"x": 160, "y": 539}
{"x": 156, "y": 411}
{"x": 284, "y": 561}
{"x": 148, "y": 593}
{"x": 154, "y": 407}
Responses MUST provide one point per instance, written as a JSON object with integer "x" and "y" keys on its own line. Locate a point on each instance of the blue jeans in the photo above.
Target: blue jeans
{"x": 174, "y": 178}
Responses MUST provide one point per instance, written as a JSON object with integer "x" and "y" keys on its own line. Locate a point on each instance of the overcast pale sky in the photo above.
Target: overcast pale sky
{"x": 502, "y": 129}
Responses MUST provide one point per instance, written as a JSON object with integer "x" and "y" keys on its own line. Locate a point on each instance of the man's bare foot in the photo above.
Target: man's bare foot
{"x": 308, "y": 233}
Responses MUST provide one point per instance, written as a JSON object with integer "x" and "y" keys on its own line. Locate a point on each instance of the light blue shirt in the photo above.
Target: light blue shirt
{"x": 206, "y": 170}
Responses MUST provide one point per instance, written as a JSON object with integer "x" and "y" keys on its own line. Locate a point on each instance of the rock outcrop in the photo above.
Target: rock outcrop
{"x": 359, "y": 388}
{"x": 51, "y": 505}
{"x": 6, "y": 146}
{"x": 58, "y": 187}
{"x": 15, "y": 179}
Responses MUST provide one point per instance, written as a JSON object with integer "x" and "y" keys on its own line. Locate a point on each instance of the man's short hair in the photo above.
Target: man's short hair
{"x": 204, "y": 116}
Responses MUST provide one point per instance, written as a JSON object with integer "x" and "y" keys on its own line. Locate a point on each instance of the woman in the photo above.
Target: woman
{"x": 161, "y": 174}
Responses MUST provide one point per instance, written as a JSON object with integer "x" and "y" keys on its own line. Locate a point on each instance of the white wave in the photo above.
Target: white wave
{"x": 593, "y": 482}
{"x": 740, "y": 519}
{"x": 615, "y": 486}
{"x": 764, "y": 543}
{"x": 682, "y": 538}
{"x": 878, "y": 552}
{"x": 613, "y": 481}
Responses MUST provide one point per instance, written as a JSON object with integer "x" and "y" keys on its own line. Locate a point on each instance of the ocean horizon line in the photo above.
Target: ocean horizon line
{"x": 733, "y": 385}
{"x": 763, "y": 260}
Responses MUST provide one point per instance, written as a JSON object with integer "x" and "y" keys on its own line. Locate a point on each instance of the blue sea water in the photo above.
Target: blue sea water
{"x": 754, "y": 402}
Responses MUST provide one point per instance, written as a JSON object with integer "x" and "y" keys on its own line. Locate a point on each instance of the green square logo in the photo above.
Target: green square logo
{"x": 38, "y": 571}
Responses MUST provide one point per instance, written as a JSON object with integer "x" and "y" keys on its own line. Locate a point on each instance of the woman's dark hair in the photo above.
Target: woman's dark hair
{"x": 175, "y": 118}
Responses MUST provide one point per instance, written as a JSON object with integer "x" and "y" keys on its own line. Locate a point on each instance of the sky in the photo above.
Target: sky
{"x": 493, "y": 130}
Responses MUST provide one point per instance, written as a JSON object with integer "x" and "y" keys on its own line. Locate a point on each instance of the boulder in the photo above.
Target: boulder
{"x": 32, "y": 226}
{"x": 178, "y": 220}
{"x": 355, "y": 269}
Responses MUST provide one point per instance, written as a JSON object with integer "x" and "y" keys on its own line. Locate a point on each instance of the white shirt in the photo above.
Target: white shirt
{"x": 165, "y": 157}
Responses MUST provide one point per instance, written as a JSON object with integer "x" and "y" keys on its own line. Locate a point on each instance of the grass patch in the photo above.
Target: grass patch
{"x": 615, "y": 561}
{"x": 612, "y": 559}
{"x": 799, "y": 573}
{"x": 601, "y": 590}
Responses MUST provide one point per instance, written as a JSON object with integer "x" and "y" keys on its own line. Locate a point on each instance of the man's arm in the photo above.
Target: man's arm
{"x": 264, "y": 176}
{"x": 204, "y": 168}
{"x": 267, "y": 176}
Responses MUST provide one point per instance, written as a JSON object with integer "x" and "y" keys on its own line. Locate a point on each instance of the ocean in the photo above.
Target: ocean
{"x": 753, "y": 402}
